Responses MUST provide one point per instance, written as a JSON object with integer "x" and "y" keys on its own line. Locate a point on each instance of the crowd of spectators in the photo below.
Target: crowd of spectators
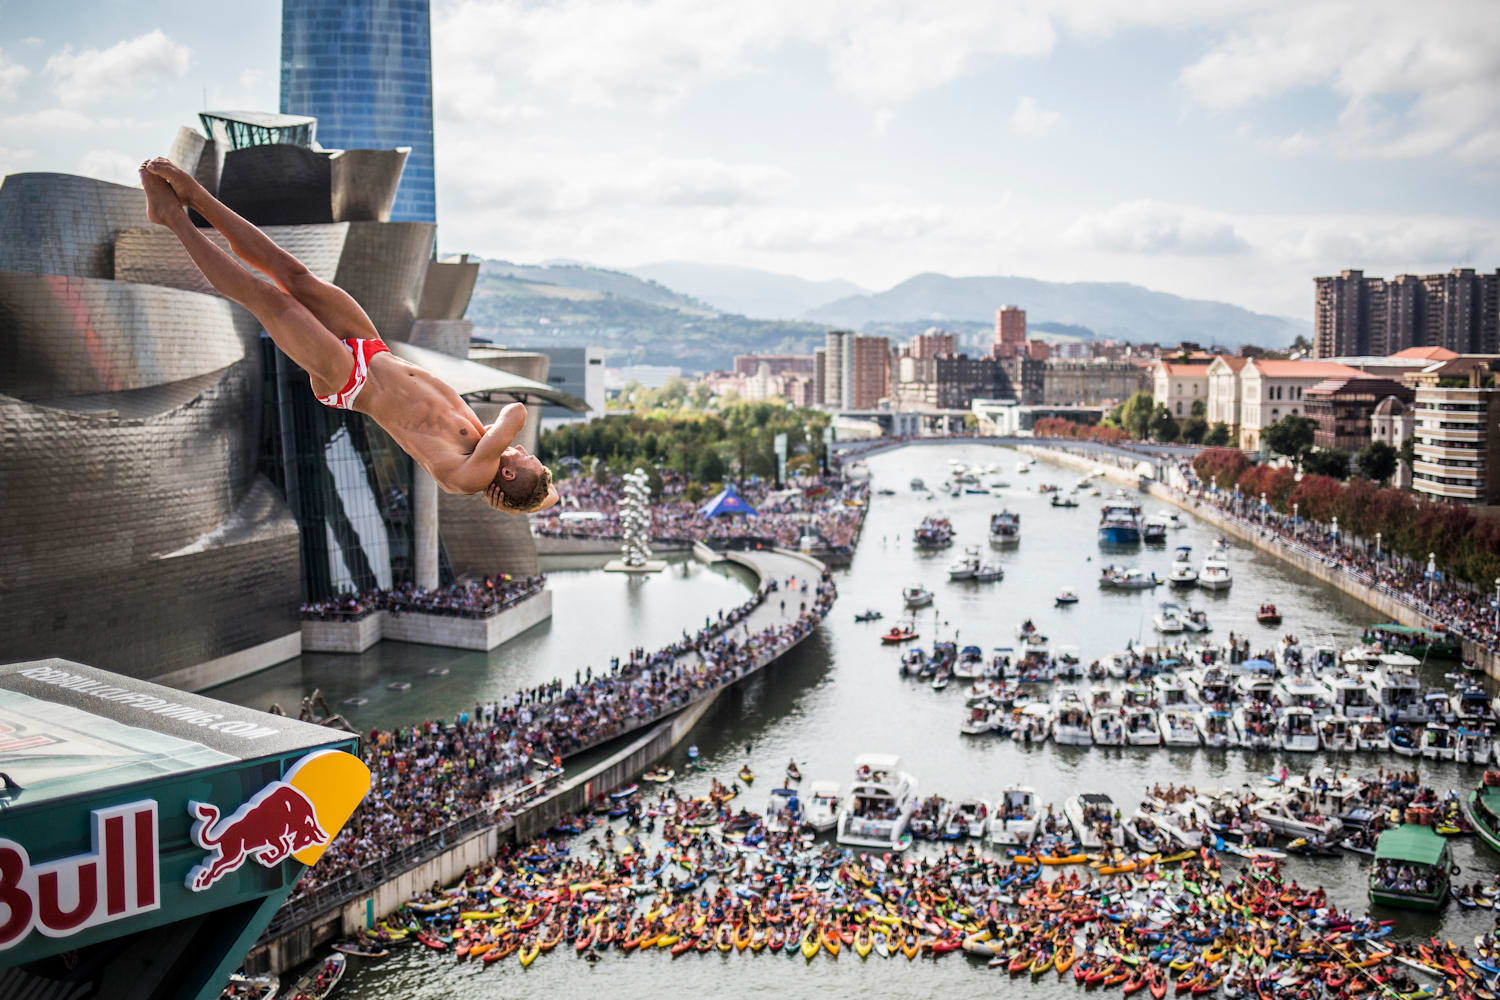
{"x": 428, "y": 776}
{"x": 1453, "y": 604}
{"x": 475, "y": 599}
{"x": 832, "y": 511}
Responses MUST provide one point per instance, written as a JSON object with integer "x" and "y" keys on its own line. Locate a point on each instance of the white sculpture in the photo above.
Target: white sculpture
{"x": 635, "y": 520}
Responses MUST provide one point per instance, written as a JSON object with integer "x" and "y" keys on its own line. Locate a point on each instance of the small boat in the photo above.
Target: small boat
{"x": 1060, "y": 500}
{"x": 793, "y": 773}
{"x": 626, "y": 792}
{"x": 1268, "y": 615}
{"x": 1182, "y": 573}
{"x": 917, "y": 596}
{"x": 251, "y": 987}
{"x": 319, "y": 981}
{"x": 1169, "y": 618}
{"x": 747, "y": 775}
{"x": 965, "y": 567}
{"x": 659, "y": 775}
{"x": 868, "y": 616}
{"x": 1154, "y": 530}
{"x": 1215, "y": 574}
{"x": 898, "y": 634}
{"x": 1067, "y": 595}
{"x": 989, "y": 572}
{"x": 362, "y": 951}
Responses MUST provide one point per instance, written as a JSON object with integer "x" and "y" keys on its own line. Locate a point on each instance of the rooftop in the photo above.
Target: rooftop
{"x": 1275, "y": 368}
{"x": 1427, "y": 354}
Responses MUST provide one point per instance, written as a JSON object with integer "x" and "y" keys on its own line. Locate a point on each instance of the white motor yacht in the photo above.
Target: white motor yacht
{"x": 1212, "y": 685}
{"x": 1169, "y": 618}
{"x": 1255, "y": 725}
{"x": 1296, "y": 730}
{"x": 1196, "y": 620}
{"x": 1107, "y": 727}
{"x": 783, "y": 811}
{"x": 965, "y": 567}
{"x": 1365, "y": 658}
{"x": 1472, "y": 746}
{"x": 1174, "y": 520}
{"x": 820, "y": 810}
{"x": 1170, "y": 692}
{"x": 916, "y": 596}
{"x": 1303, "y": 691}
{"x": 1142, "y": 728}
{"x": 970, "y": 664}
{"x": 1471, "y": 706}
{"x": 879, "y": 805}
{"x": 1179, "y": 727}
{"x": 1216, "y": 728}
{"x": 1352, "y": 696}
{"x": 1014, "y": 818}
{"x": 978, "y": 719}
{"x": 1215, "y": 574}
{"x": 1070, "y": 724}
{"x": 1092, "y": 816}
{"x": 1289, "y": 820}
{"x": 1370, "y": 733}
{"x": 1336, "y": 734}
{"x": 1438, "y": 742}
{"x": 989, "y": 572}
{"x": 1033, "y": 724}
{"x": 970, "y": 818}
{"x": 1398, "y": 693}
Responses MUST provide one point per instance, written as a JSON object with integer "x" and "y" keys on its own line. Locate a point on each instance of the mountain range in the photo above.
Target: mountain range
{"x": 698, "y": 316}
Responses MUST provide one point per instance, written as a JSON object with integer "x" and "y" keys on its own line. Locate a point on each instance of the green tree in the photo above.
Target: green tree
{"x": 1194, "y": 429}
{"x": 1407, "y": 453}
{"x": 1290, "y": 436}
{"x": 701, "y": 395}
{"x": 1328, "y": 462}
{"x": 1377, "y": 461}
{"x": 1301, "y": 343}
{"x": 1163, "y": 425}
{"x": 1200, "y": 409}
{"x": 1135, "y": 414}
{"x": 1218, "y": 435}
{"x": 710, "y": 467}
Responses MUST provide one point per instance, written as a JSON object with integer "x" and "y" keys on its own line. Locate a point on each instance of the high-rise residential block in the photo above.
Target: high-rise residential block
{"x": 1458, "y": 445}
{"x": 363, "y": 68}
{"x": 1010, "y": 325}
{"x": 933, "y": 343}
{"x": 1355, "y": 315}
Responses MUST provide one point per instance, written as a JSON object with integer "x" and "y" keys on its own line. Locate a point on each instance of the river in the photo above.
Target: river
{"x": 839, "y": 694}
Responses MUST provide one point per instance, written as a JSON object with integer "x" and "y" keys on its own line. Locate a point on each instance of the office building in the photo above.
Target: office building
{"x": 363, "y": 69}
{"x": 578, "y": 371}
{"x": 1457, "y": 433}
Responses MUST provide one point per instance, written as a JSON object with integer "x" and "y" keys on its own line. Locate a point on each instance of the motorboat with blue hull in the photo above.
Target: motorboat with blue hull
{"x": 1120, "y": 523}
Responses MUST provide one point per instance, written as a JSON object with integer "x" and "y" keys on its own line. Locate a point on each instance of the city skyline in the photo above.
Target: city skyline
{"x": 1230, "y": 155}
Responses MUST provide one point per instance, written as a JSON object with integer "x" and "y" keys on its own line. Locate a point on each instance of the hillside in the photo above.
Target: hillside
{"x": 745, "y": 290}
{"x": 594, "y": 279}
{"x": 1110, "y": 309}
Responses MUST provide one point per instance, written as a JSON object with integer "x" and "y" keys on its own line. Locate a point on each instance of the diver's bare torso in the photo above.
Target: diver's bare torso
{"x": 428, "y": 420}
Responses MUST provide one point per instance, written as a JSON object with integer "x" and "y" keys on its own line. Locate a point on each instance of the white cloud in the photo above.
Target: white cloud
{"x": 109, "y": 165}
{"x": 11, "y": 75}
{"x": 133, "y": 66}
{"x": 49, "y": 121}
{"x": 12, "y": 160}
{"x": 1416, "y": 79}
{"x": 882, "y": 120}
{"x": 1030, "y": 119}
{"x": 1152, "y": 228}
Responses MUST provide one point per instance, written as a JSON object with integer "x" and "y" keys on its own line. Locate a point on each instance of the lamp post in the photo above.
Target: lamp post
{"x": 1497, "y": 604}
{"x": 1263, "y": 508}
{"x": 1377, "y": 546}
{"x": 1431, "y": 572}
{"x": 1335, "y": 529}
{"x": 1296, "y": 521}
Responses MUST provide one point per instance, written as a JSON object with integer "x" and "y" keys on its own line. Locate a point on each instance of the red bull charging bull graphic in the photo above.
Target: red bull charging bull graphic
{"x": 294, "y": 817}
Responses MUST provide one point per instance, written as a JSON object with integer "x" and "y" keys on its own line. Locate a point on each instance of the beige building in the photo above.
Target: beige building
{"x": 1224, "y": 393}
{"x": 1272, "y": 389}
{"x": 1457, "y": 445}
{"x": 1089, "y": 383}
{"x": 1180, "y": 384}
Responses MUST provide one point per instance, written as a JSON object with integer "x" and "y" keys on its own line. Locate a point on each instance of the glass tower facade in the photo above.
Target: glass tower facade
{"x": 363, "y": 68}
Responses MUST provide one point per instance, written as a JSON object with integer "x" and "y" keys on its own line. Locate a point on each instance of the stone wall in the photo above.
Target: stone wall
{"x": 432, "y": 630}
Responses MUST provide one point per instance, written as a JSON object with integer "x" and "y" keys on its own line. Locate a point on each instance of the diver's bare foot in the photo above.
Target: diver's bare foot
{"x": 161, "y": 201}
{"x": 182, "y": 183}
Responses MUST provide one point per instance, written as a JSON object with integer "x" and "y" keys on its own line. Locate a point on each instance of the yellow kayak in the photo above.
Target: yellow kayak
{"x": 864, "y": 941}
{"x": 528, "y": 955}
{"x": 810, "y": 943}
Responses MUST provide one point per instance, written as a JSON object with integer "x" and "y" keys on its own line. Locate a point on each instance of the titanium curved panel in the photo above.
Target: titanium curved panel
{"x": 448, "y": 288}
{"x": 383, "y": 267}
{"x": 364, "y": 183}
{"x": 277, "y": 185}
{"x": 480, "y": 540}
{"x": 64, "y": 224}
{"x": 447, "y": 336}
{"x": 69, "y": 335}
{"x": 152, "y": 255}
{"x": 187, "y": 148}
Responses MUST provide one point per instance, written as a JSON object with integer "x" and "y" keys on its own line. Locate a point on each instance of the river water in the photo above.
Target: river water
{"x": 840, "y": 694}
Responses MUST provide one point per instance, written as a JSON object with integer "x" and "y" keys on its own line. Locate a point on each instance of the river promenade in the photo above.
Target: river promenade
{"x": 360, "y": 899}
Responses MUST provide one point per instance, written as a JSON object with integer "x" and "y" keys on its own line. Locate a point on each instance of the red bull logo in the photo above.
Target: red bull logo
{"x": 276, "y": 823}
{"x": 295, "y": 817}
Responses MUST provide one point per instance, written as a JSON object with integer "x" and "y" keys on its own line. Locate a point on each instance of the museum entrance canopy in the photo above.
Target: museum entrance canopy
{"x": 261, "y": 128}
{"x": 148, "y": 835}
{"x": 469, "y": 378}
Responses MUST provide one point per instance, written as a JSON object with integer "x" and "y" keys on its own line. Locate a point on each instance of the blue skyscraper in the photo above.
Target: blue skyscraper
{"x": 363, "y": 68}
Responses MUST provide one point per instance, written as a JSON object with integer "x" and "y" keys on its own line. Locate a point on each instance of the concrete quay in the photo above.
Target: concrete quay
{"x": 290, "y": 946}
{"x": 483, "y": 634}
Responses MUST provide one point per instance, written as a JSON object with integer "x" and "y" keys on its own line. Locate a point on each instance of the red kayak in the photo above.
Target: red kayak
{"x": 431, "y": 941}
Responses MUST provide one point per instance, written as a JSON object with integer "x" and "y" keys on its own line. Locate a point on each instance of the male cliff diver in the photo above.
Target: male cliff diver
{"x": 321, "y": 328}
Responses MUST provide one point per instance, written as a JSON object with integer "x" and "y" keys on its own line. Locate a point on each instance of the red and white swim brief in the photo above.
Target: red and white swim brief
{"x": 363, "y": 351}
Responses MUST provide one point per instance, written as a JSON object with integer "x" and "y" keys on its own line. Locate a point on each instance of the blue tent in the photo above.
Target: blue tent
{"x": 728, "y": 502}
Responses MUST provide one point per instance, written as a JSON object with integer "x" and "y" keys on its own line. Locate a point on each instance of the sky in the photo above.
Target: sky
{"x": 1227, "y": 150}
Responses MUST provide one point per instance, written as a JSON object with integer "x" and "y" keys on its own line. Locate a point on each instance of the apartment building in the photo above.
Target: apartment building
{"x": 1457, "y": 446}
{"x": 1272, "y": 389}
{"x": 1358, "y": 315}
{"x": 1177, "y": 385}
